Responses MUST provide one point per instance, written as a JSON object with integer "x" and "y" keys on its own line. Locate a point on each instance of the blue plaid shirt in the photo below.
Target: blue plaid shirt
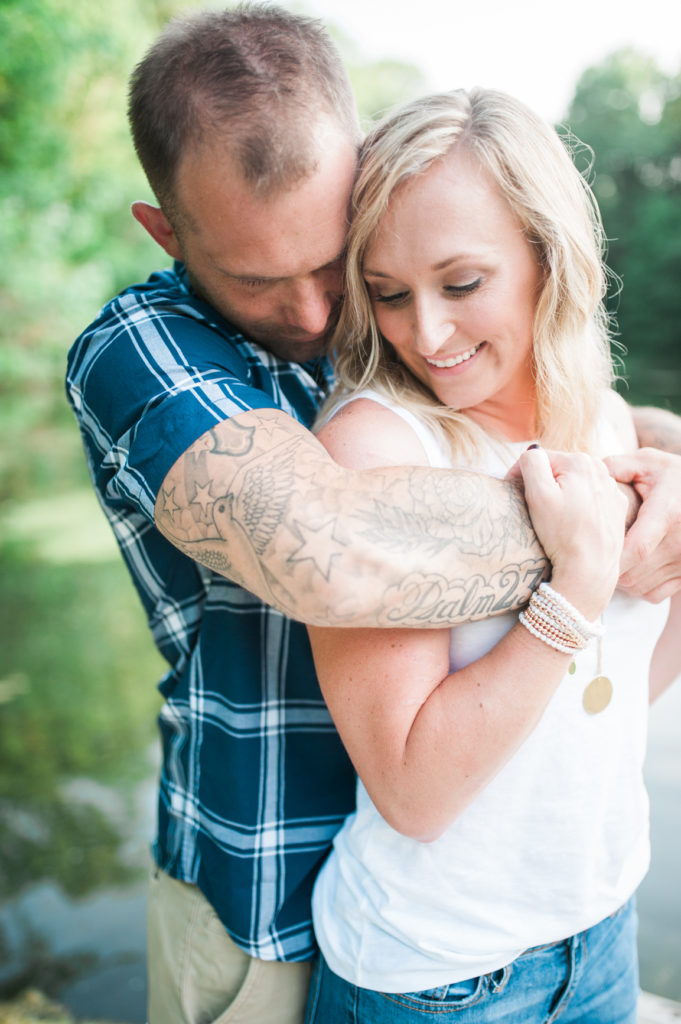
{"x": 254, "y": 782}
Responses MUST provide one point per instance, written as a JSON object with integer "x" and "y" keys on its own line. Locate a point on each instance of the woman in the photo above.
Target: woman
{"x": 501, "y": 824}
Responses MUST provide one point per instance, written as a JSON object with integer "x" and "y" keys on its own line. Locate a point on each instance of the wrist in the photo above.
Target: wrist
{"x": 556, "y": 622}
{"x": 587, "y": 594}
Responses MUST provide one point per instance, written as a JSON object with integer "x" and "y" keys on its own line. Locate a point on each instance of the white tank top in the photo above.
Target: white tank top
{"x": 555, "y": 843}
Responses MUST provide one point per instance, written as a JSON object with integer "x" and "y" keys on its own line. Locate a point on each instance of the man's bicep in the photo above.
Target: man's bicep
{"x": 226, "y": 498}
{"x": 207, "y": 473}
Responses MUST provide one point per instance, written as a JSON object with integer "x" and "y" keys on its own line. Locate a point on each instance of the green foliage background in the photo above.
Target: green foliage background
{"x": 77, "y": 670}
{"x": 629, "y": 112}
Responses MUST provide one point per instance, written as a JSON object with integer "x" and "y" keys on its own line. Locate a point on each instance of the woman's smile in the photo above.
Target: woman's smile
{"x": 452, "y": 361}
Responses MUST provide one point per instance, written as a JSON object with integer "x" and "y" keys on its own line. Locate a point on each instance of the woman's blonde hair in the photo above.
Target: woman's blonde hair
{"x": 555, "y": 207}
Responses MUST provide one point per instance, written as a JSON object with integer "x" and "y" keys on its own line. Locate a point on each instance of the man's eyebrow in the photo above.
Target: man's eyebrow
{"x": 249, "y": 277}
{"x": 245, "y": 276}
{"x": 242, "y": 275}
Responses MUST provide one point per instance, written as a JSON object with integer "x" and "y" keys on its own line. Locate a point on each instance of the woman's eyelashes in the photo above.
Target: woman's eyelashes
{"x": 463, "y": 289}
{"x": 401, "y": 297}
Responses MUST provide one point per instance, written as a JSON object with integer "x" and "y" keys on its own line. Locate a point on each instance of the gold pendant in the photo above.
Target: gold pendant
{"x": 597, "y": 695}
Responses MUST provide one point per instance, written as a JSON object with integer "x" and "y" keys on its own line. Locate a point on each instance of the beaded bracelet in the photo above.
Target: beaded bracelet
{"x": 589, "y": 630}
{"x": 544, "y": 627}
{"x": 552, "y": 619}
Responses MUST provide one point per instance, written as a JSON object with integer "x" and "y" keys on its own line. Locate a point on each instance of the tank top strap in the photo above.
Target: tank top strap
{"x": 437, "y": 453}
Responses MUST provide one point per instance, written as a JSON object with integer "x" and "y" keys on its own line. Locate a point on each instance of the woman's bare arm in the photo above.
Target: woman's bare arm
{"x": 425, "y": 740}
{"x": 665, "y": 667}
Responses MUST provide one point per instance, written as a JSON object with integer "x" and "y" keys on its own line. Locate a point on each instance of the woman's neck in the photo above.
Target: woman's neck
{"x": 515, "y": 421}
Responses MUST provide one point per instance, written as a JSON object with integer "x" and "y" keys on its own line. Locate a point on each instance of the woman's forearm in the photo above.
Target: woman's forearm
{"x": 426, "y": 744}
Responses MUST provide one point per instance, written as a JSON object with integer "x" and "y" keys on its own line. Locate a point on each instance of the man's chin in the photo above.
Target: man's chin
{"x": 295, "y": 350}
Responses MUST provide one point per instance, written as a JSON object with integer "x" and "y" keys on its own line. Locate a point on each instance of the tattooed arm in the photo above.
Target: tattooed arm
{"x": 259, "y": 500}
{"x": 658, "y": 428}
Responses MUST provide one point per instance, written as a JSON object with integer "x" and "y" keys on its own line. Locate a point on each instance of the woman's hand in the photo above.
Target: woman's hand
{"x": 578, "y": 513}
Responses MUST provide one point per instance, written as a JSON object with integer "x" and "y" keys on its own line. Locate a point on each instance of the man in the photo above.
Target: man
{"x": 194, "y": 392}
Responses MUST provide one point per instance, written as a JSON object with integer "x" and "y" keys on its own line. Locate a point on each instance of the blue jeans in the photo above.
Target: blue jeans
{"x": 591, "y": 978}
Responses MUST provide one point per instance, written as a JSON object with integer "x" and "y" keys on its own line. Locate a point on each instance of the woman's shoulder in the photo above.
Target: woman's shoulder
{"x": 367, "y": 432}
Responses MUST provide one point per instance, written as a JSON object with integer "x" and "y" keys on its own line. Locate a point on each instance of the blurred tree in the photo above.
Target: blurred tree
{"x": 63, "y": 183}
{"x": 629, "y": 112}
{"x": 68, "y": 173}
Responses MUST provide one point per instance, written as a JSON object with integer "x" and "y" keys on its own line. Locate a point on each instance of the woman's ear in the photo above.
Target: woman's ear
{"x": 153, "y": 220}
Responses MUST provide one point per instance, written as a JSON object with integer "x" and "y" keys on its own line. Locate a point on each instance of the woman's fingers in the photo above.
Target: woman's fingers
{"x": 578, "y": 514}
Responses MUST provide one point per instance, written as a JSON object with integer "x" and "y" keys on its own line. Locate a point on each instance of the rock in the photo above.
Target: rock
{"x": 32, "y": 1007}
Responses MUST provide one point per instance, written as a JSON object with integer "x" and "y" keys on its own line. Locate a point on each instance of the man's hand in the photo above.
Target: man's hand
{"x": 651, "y": 559}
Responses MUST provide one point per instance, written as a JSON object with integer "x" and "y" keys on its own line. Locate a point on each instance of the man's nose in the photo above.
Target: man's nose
{"x": 313, "y": 301}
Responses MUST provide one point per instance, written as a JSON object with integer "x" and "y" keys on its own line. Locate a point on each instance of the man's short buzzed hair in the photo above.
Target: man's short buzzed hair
{"x": 256, "y": 77}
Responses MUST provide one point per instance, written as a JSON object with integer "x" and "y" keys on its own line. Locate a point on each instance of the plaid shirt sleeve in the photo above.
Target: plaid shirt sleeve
{"x": 254, "y": 781}
{"x": 148, "y": 378}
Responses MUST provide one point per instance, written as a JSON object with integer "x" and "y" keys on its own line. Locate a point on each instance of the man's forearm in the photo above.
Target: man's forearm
{"x": 658, "y": 428}
{"x": 258, "y": 500}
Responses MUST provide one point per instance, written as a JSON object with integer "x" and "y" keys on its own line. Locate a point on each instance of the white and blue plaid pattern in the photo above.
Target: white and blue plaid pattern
{"x": 254, "y": 781}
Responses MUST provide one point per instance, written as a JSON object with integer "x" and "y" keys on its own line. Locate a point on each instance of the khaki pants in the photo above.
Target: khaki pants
{"x": 198, "y": 975}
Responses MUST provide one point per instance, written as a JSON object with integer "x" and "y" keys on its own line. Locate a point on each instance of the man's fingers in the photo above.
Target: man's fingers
{"x": 662, "y": 592}
{"x": 624, "y": 468}
{"x": 645, "y": 534}
{"x": 651, "y": 558}
{"x": 652, "y": 587}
